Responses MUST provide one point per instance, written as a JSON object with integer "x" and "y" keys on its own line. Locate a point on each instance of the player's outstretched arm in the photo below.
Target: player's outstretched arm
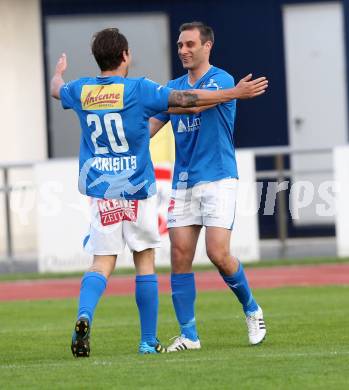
{"x": 57, "y": 79}
{"x": 189, "y": 110}
{"x": 245, "y": 89}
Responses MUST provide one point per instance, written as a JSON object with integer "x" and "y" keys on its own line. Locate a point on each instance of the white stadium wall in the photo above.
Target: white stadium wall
{"x": 341, "y": 177}
{"x": 23, "y": 123}
{"x": 23, "y": 112}
{"x": 62, "y": 216}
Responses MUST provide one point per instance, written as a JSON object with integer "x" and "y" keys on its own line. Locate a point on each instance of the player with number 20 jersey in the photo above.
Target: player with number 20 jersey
{"x": 115, "y": 159}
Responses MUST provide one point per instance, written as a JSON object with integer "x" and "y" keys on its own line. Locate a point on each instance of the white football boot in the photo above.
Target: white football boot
{"x": 256, "y": 327}
{"x": 181, "y": 343}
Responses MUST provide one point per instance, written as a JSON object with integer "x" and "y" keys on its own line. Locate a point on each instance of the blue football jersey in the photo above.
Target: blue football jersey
{"x": 114, "y": 112}
{"x": 204, "y": 142}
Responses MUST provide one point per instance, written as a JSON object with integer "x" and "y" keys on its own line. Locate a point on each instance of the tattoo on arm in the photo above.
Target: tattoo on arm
{"x": 182, "y": 99}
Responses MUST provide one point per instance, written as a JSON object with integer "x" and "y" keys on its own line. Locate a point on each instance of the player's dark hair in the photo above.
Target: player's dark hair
{"x": 206, "y": 32}
{"x": 108, "y": 46}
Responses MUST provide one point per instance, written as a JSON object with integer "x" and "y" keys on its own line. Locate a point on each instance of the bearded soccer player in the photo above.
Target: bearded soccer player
{"x": 205, "y": 185}
{"x": 116, "y": 171}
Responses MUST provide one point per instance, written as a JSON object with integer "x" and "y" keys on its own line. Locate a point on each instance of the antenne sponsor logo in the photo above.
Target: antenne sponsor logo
{"x": 101, "y": 97}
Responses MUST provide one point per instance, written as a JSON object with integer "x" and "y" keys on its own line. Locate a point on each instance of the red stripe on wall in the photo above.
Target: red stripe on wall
{"x": 163, "y": 173}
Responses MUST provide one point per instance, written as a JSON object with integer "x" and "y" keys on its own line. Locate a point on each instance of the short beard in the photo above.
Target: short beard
{"x": 188, "y": 67}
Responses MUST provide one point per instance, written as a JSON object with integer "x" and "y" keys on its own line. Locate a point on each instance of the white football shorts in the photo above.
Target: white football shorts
{"x": 117, "y": 222}
{"x": 207, "y": 204}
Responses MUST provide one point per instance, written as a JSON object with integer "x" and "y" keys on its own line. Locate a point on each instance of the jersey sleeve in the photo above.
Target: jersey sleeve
{"x": 164, "y": 116}
{"x": 67, "y": 95}
{"x": 154, "y": 96}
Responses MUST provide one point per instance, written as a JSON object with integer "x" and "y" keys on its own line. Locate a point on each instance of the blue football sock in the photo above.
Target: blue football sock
{"x": 147, "y": 299}
{"x": 239, "y": 286}
{"x": 183, "y": 298}
{"x": 92, "y": 287}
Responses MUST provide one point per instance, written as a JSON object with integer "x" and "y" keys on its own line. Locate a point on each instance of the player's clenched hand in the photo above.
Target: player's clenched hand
{"x": 248, "y": 88}
{"x": 61, "y": 65}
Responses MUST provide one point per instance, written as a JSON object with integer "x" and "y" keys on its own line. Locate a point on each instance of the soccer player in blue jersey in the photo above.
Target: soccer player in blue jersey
{"x": 204, "y": 188}
{"x": 116, "y": 171}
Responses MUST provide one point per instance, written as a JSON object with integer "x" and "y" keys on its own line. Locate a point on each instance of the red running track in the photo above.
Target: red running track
{"x": 319, "y": 275}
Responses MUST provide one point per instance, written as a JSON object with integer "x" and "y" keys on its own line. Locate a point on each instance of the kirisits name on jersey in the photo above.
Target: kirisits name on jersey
{"x": 114, "y": 164}
{"x": 102, "y": 97}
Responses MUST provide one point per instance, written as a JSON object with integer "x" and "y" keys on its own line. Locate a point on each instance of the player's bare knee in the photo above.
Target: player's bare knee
{"x": 220, "y": 263}
{"x": 218, "y": 254}
{"x": 181, "y": 261}
{"x": 103, "y": 265}
{"x": 179, "y": 253}
{"x": 221, "y": 259}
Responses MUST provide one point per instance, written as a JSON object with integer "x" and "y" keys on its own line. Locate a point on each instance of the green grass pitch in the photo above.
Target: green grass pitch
{"x": 307, "y": 345}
